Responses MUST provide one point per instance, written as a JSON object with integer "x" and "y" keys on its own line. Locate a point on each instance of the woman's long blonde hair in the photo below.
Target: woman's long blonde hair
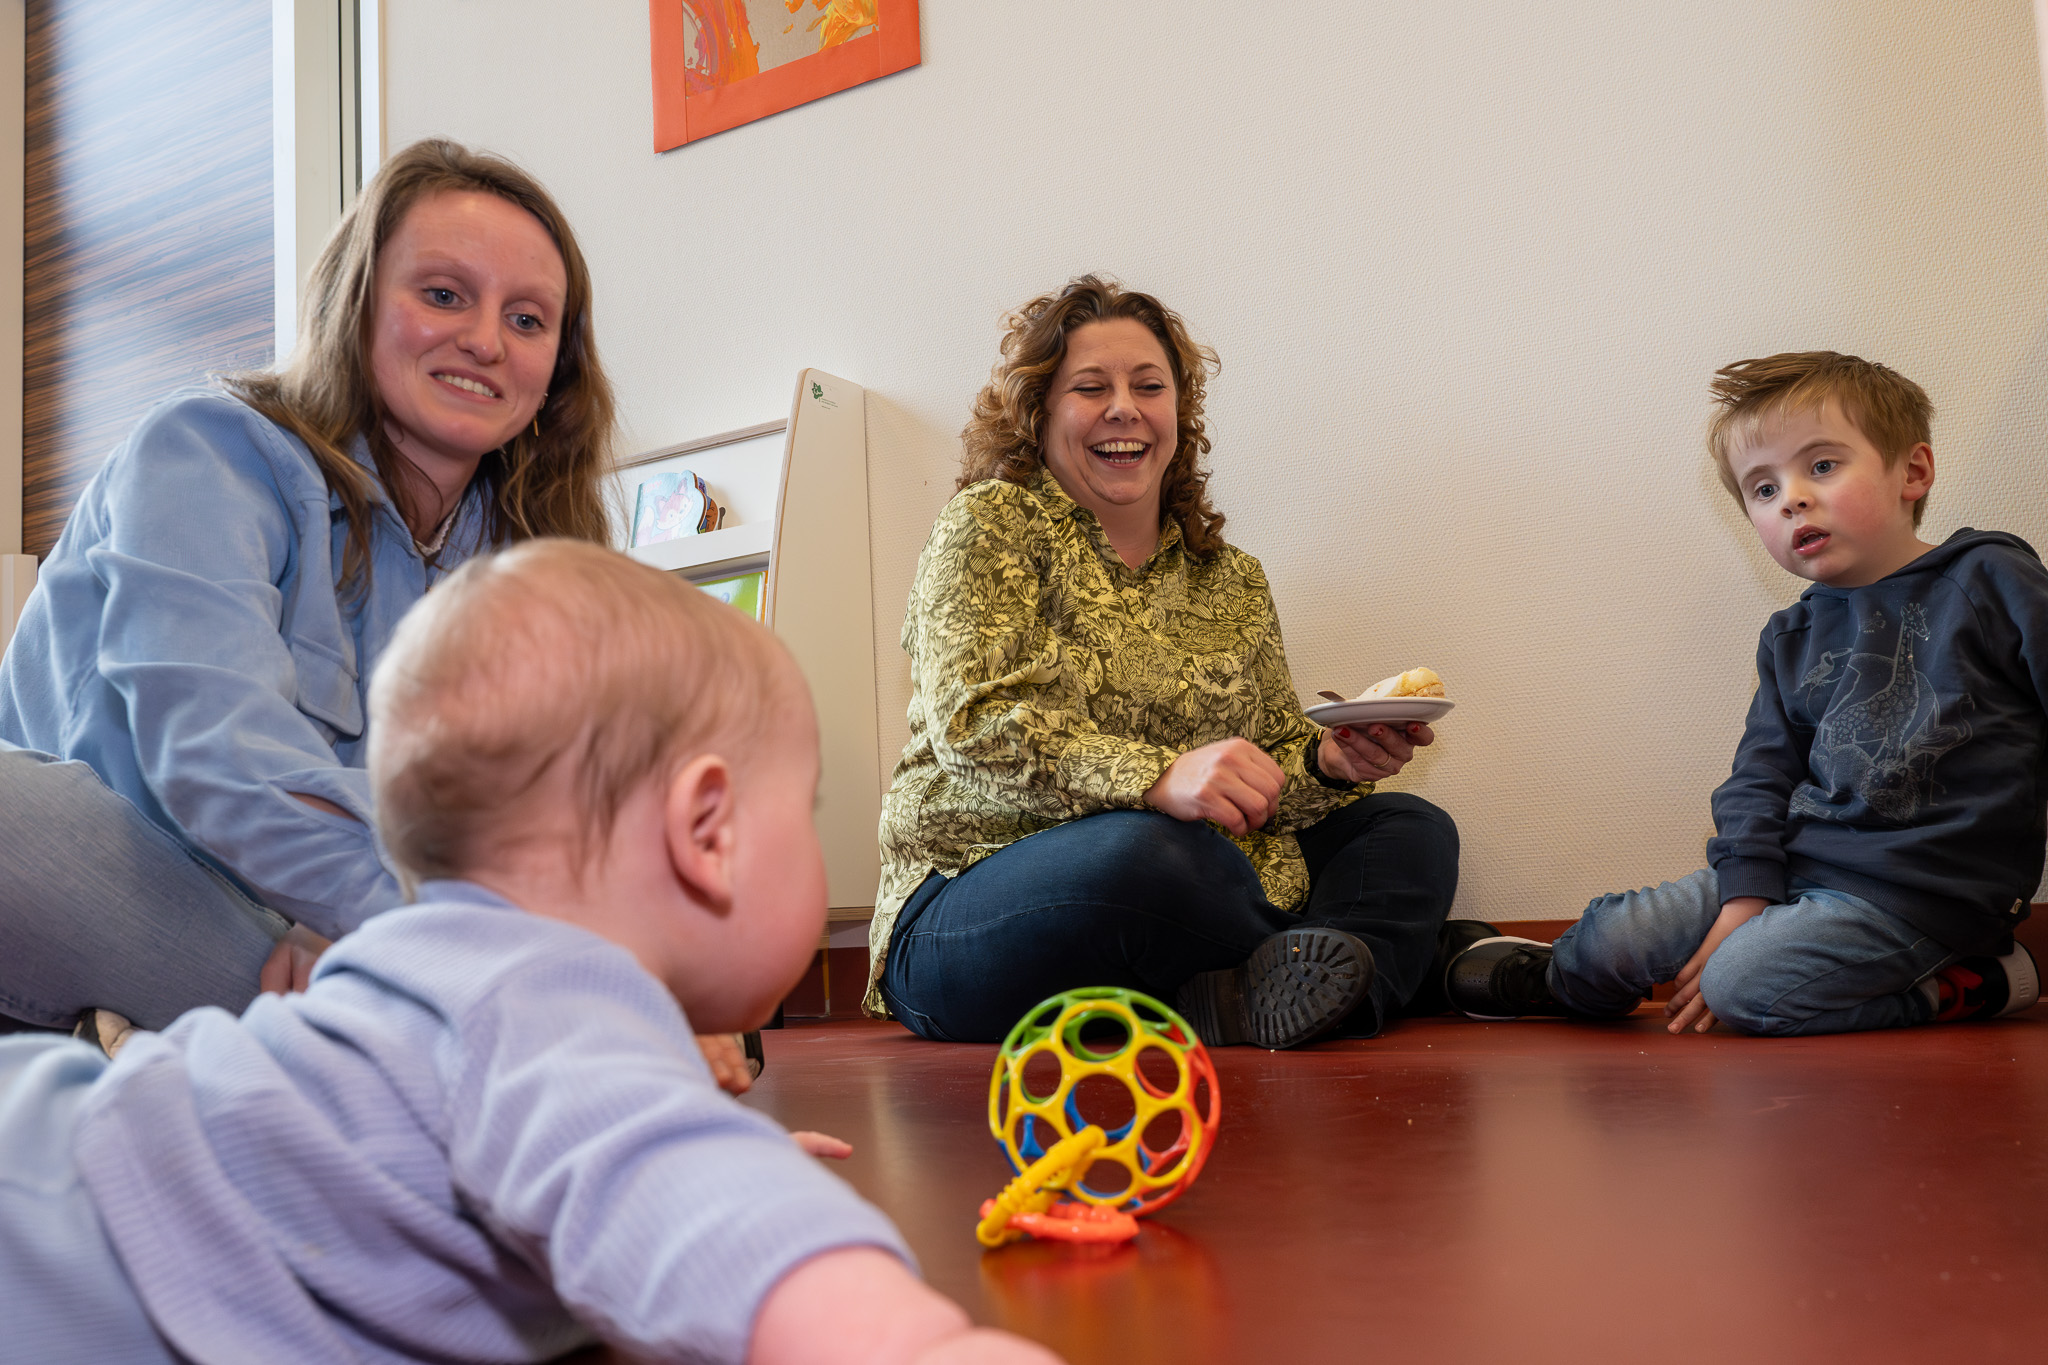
{"x": 545, "y": 480}
{"x": 1001, "y": 440}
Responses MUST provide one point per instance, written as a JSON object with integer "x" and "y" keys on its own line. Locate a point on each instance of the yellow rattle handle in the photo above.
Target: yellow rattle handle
{"x": 1035, "y": 1188}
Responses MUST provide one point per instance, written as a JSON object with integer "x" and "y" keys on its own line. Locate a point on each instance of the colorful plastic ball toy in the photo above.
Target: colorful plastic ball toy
{"x": 1154, "y": 1137}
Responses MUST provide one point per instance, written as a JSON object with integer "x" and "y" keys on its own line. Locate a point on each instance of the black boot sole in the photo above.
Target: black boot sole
{"x": 1296, "y": 987}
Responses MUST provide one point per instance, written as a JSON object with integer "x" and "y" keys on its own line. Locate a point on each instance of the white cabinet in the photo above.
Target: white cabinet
{"x": 796, "y": 499}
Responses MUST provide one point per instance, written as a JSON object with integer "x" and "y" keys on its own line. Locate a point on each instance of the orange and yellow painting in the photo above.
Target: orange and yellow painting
{"x": 721, "y": 63}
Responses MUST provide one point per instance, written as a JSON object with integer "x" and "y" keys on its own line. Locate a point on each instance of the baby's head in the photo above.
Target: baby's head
{"x": 603, "y": 742}
{"x": 1829, "y": 457}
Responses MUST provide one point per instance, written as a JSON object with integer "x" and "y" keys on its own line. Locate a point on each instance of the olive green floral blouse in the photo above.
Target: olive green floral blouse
{"x": 1051, "y": 680}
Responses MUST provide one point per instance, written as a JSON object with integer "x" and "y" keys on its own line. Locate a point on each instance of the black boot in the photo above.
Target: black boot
{"x": 1296, "y": 987}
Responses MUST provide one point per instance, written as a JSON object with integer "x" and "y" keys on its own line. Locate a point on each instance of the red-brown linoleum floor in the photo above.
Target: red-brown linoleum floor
{"x": 1523, "y": 1192}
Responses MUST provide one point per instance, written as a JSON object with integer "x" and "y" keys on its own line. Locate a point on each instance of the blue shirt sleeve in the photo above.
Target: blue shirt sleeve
{"x": 590, "y": 1136}
{"x": 1750, "y": 808}
{"x": 210, "y": 517}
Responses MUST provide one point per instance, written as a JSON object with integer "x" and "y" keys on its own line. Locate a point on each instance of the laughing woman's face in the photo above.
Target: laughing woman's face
{"x": 1111, "y": 419}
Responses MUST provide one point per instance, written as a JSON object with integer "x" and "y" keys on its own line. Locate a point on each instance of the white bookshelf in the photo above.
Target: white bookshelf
{"x": 796, "y": 498}
{"x": 714, "y": 554}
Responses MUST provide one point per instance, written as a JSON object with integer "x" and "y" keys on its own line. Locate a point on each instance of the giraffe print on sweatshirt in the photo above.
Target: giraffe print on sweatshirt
{"x": 1881, "y": 733}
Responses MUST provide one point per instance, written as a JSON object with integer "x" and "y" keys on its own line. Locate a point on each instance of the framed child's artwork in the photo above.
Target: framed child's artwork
{"x": 721, "y": 63}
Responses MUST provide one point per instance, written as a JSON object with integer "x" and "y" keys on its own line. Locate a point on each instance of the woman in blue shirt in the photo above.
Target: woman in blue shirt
{"x": 184, "y": 812}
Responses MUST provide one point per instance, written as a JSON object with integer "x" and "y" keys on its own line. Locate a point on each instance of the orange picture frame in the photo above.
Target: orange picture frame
{"x": 687, "y": 107}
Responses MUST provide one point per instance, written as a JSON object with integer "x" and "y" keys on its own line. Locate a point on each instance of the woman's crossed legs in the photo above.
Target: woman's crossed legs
{"x": 1144, "y": 901}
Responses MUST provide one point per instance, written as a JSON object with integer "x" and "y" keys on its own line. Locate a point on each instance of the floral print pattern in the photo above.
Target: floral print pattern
{"x": 1050, "y": 681}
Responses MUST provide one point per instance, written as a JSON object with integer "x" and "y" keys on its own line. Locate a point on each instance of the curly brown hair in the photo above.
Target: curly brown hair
{"x": 543, "y": 482}
{"x": 1001, "y": 441}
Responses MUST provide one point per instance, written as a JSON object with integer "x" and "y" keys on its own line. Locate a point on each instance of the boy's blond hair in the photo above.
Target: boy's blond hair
{"x": 1889, "y": 409}
{"x": 555, "y": 655}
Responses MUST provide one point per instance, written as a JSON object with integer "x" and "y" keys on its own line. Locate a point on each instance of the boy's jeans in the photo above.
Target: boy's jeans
{"x": 1826, "y": 962}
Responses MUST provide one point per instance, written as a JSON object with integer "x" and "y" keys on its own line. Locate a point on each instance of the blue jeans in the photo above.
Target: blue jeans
{"x": 1824, "y": 962}
{"x": 67, "y": 1297}
{"x": 99, "y": 908}
{"x": 1142, "y": 900}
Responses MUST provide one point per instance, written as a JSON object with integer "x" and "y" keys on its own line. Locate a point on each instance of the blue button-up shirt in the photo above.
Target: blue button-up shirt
{"x": 188, "y": 640}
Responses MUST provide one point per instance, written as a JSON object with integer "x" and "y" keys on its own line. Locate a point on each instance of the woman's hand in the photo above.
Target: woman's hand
{"x": 1232, "y": 782}
{"x": 1372, "y": 754}
{"x": 290, "y": 965}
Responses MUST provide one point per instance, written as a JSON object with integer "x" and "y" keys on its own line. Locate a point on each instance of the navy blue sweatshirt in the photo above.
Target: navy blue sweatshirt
{"x": 1897, "y": 745}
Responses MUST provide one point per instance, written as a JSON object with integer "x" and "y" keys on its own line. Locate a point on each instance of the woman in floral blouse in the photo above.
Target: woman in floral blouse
{"x": 1096, "y": 669}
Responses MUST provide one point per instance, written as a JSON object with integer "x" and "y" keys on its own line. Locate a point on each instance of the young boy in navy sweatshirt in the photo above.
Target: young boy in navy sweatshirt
{"x": 1883, "y": 826}
{"x": 486, "y": 1132}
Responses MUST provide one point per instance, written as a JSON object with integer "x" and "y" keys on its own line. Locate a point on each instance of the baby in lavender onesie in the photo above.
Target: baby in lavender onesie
{"x": 486, "y": 1133}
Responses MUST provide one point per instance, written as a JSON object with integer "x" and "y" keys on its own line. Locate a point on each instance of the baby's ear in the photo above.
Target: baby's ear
{"x": 698, "y": 823}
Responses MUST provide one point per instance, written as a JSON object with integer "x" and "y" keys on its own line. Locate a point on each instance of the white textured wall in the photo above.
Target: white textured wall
{"x": 1469, "y": 264}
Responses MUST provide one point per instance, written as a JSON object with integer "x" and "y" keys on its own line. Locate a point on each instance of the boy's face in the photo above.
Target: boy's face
{"x": 1827, "y": 507}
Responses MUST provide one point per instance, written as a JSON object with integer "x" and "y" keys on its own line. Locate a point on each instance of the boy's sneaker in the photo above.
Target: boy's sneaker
{"x": 1297, "y": 986}
{"x": 1502, "y": 978}
{"x": 1454, "y": 938}
{"x": 1984, "y": 987}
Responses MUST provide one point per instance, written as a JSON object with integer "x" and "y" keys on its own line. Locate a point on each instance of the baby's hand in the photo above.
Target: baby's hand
{"x": 823, "y": 1144}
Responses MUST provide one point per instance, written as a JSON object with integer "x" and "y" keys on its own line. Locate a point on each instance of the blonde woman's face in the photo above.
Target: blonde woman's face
{"x": 467, "y": 321}
{"x": 1111, "y": 418}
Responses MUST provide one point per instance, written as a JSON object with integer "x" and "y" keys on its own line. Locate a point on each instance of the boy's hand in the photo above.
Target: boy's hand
{"x": 1685, "y": 1008}
{"x": 1373, "y": 754}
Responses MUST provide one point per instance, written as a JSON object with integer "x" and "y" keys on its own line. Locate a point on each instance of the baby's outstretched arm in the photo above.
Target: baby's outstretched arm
{"x": 859, "y": 1306}
{"x": 1686, "y": 1009}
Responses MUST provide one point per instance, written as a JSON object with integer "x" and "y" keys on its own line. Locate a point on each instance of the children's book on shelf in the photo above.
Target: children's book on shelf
{"x": 671, "y": 505}
{"x": 743, "y": 591}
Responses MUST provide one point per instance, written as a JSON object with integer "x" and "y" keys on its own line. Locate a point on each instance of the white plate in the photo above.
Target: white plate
{"x": 1380, "y": 711}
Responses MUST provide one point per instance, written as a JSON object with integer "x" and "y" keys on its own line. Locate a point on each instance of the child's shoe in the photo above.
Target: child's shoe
{"x": 1984, "y": 987}
{"x": 1454, "y": 938}
{"x": 1502, "y": 978}
{"x": 1297, "y": 986}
